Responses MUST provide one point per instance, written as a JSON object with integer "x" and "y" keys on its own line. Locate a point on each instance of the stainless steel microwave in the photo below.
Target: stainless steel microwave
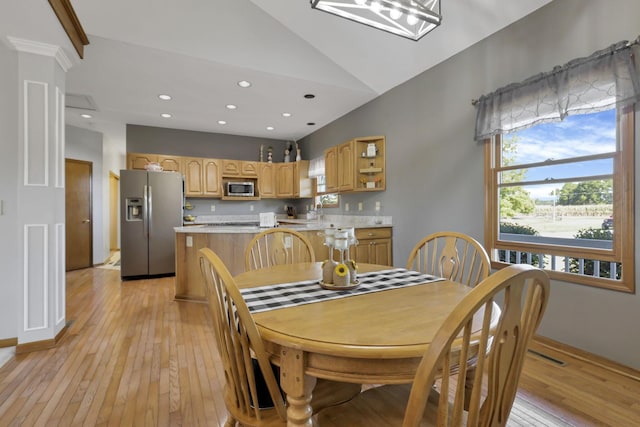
{"x": 241, "y": 189}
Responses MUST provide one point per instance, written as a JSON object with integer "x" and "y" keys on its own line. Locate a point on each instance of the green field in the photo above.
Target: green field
{"x": 561, "y": 227}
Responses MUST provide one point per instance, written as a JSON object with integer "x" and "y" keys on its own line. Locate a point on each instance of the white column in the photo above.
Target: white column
{"x": 40, "y": 204}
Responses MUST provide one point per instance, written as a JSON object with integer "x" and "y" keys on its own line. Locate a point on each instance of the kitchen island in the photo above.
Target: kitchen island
{"x": 230, "y": 242}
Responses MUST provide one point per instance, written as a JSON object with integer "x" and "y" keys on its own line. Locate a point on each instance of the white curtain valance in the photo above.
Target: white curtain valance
{"x": 608, "y": 78}
{"x": 316, "y": 167}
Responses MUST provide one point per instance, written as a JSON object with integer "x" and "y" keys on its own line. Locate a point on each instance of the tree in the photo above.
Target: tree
{"x": 587, "y": 193}
{"x": 513, "y": 200}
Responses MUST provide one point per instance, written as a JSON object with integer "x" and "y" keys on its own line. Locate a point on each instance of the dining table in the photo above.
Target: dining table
{"x": 374, "y": 333}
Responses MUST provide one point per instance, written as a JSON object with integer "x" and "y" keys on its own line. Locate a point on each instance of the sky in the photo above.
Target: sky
{"x": 578, "y": 135}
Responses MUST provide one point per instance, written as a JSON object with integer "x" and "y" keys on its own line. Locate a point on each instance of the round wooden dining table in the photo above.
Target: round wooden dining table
{"x": 372, "y": 338}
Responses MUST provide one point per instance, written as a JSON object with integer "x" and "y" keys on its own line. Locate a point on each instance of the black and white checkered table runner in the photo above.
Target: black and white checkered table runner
{"x": 272, "y": 297}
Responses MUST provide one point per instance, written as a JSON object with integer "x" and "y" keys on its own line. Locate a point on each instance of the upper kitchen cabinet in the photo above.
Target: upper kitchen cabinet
{"x": 202, "y": 177}
{"x": 357, "y": 165}
{"x": 292, "y": 180}
{"x": 331, "y": 169}
{"x": 267, "y": 180}
{"x": 140, "y": 161}
{"x": 170, "y": 163}
{"x": 240, "y": 168}
{"x": 346, "y": 160}
{"x": 370, "y": 164}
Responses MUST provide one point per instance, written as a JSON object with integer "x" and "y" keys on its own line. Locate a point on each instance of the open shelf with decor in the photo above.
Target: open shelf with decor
{"x": 370, "y": 163}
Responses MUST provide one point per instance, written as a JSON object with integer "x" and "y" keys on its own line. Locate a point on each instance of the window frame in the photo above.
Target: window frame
{"x": 623, "y": 209}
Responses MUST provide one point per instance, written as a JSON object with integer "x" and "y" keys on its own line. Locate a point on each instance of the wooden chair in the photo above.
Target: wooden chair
{"x": 497, "y": 351}
{"x": 245, "y": 359}
{"x": 276, "y": 246}
{"x": 452, "y": 255}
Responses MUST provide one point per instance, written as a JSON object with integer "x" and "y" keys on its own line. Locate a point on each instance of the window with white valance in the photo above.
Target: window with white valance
{"x": 606, "y": 79}
{"x": 559, "y": 161}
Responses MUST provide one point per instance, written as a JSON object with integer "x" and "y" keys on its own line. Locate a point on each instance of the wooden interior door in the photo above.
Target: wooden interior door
{"x": 114, "y": 209}
{"x": 78, "y": 214}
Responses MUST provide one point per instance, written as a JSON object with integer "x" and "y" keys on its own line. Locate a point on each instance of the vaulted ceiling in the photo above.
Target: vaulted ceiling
{"x": 197, "y": 50}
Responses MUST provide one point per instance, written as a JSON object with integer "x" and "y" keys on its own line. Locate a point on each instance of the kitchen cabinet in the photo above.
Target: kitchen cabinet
{"x": 374, "y": 246}
{"x": 202, "y": 177}
{"x": 292, "y": 180}
{"x": 239, "y": 168}
{"x": 357, "y": 165}
{"x": 370, "y": 163}
{"x": 170, "y": 163}
{"x": 140, "y": 161}
{"x": 207, "y": 177}
{"x": 266, "y": 180}
{"x": 331, "y": 169}
{"x": 346, "y": 176}
{"x": 212, "y": 178}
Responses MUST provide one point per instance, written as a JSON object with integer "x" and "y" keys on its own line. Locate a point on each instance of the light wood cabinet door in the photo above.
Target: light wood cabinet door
{"x": 212, "y": 179}
{"x": 231, "y": 167}
{"x": 284, "y": 180}
{"x": 240, "y": 168}
{"x": 140, "y": 160}
{"x": 193, "y": 177}
{"x": 346, "y": 166}
{"x": 249, "y": 168}
{"x": 331, "y": 169}
{"x": 266, "y": 181}
{"x": 170, "y": 163}
{"x": 374, "y": 246}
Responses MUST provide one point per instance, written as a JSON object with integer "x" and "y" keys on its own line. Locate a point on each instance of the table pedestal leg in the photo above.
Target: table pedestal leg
{"x": 297, "y": 386}
{"x": 468, "y": 386}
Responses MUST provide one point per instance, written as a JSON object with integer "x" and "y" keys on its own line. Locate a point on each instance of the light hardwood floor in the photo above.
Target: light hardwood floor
{"x": 133, "y": 356}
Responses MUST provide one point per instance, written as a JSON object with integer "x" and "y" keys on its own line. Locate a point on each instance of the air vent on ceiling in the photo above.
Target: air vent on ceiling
{"x": 81, "y": 102}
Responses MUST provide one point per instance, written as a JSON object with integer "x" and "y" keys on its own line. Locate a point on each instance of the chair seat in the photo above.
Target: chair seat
{"x": 378, "y": 406}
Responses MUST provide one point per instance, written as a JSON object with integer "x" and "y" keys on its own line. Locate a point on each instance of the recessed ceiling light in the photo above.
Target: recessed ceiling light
{"x": 165, "y": 115}
{"x": 86, "y": 116}
{"x": 164, "y": 97}
{"x": 286, "y": 114}
{"x": 231, "y": 107}
{"x": 270, "y": 128}
{"x": 311, "y": 124}
{"x": 222, "y": 122}
{"x": 244, "y": 83}
{"x": 309, "y": 96}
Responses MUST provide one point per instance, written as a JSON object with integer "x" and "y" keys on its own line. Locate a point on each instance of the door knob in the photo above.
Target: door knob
{"x": 86, "y": 221}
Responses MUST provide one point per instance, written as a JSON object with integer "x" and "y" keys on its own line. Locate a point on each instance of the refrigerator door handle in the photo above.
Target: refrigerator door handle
{"x": 149, "y": 210}
{"x": 145, "y": 211}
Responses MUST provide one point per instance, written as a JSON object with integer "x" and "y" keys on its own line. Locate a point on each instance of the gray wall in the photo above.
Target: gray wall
{"x": 147, "y": 139}
{"x": 435, "y": 169}
{"x": 83, "y": 144}
{"x": 9, "y": 234}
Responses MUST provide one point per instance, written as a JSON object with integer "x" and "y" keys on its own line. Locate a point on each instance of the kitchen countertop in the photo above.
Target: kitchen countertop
{"x": 222, "y": 226}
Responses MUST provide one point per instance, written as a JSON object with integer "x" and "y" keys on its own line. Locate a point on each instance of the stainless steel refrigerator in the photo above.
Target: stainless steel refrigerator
{"x": 150, "y": 207}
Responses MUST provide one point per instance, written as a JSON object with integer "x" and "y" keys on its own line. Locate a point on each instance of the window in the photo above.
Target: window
{"x": 322, "y": 199}
{"x": 560, "y": 197}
